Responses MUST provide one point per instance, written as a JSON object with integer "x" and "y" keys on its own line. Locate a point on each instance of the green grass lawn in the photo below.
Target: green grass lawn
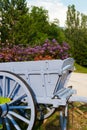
{"x": 80, "y": 69}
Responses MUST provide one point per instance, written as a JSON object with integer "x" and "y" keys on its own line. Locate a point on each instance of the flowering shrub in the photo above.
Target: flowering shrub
{"x": 48, "y": 51}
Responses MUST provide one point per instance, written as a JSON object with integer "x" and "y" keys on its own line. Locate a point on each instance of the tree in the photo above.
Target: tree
{"x": 11, "y": 11}
{"x": 76, "y": 31}
{"x": 39, "y": 24}
{"x": 55, "y": 32}
{"x": 72, "y": 18}
{"x": 83, "y": 21}
{"x": 22, "y": 25}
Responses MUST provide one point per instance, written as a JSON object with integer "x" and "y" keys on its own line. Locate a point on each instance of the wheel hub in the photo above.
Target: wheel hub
{"x": 4, "y": 106}
{"x": 4, "y": 100}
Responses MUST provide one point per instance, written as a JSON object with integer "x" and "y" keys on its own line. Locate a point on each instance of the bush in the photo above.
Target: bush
{"x": 49, "y": 50}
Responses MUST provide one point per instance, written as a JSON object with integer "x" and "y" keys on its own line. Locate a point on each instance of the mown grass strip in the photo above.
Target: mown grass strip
{"x": 80, "y": 69}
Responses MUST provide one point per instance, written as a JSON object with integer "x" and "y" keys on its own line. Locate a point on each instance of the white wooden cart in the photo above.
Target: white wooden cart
{"x": 31, "y": 87}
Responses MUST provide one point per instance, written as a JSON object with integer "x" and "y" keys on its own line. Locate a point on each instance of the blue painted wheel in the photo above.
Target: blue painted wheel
{"x": 17, "y": 106}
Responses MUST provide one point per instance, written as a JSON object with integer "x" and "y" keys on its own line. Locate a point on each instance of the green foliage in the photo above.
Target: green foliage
{"x": 72, "y": 18}
{"x": 56, "y": 32}
{"x": 80, "y": 69}
{"x": 20, "y": 25}
{"x": 22, "y": 30}
{"x": 11, "y": 11}
{"x": 40, "y": 28}
{"x": 76, "y": 32}
{"x": 38, "y": 24}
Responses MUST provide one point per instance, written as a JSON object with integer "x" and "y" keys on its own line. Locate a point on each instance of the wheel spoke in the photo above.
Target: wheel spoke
{"x": 0, "y": 91}
{"x": 48, "y": 108}
{"x": 7, "y": 124}
{"x": 19, "y": 107}
{"x": 14, "y": 122}
{"x": 19, "y": 117}
{"x": 18, "y": 99}
{"x": 13, "y": 90}
{"x": 4, "y": 87}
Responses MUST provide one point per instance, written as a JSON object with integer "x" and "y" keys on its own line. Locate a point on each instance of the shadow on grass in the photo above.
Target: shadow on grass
{"x": 52, "y": 123}
{"x": 38, "y": 125}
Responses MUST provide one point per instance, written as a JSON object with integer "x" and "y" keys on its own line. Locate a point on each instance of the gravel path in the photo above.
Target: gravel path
{"x": 79, "y": 82}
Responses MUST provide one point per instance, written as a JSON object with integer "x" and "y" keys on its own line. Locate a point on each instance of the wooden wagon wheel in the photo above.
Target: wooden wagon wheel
{"x": 17, "y": 107}
{"x": 45, "y": 111}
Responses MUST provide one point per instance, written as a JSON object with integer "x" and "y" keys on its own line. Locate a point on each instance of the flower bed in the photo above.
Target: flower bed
{"x": 48, "y": 51}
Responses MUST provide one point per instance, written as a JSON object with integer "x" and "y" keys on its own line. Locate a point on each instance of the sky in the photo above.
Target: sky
{"x": 58, "y": 8}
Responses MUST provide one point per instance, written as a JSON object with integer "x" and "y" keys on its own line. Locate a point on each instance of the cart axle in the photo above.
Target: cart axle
{"x": 3, "y": 110}
{"x": 4, "y": 106}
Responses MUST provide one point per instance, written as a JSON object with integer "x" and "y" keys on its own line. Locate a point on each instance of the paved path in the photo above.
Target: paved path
{"x": 79, "y": 82}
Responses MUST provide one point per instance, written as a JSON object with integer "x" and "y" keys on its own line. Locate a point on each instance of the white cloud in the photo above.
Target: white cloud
{"x": 55, "y": 9}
